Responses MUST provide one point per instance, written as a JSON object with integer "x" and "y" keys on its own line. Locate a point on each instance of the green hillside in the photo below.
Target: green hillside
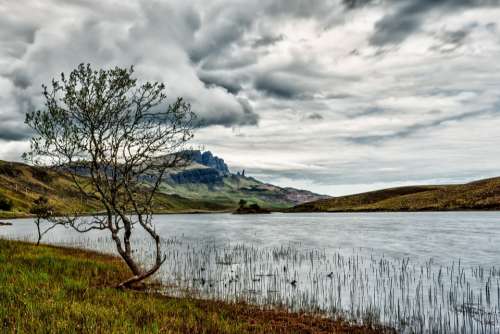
{"x": 21, "y": 184}
{"x": 234, "y": 187}
{"x": 479, "y": 195}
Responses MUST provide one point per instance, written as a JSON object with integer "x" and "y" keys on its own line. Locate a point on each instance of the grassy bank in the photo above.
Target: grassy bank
{"x": 479, "y": 195}
{"x": 21, "y": 184}
{"x": 58, "y": 290}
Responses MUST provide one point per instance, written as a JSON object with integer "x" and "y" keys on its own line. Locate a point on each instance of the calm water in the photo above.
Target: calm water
{"x": 422, "y": 272}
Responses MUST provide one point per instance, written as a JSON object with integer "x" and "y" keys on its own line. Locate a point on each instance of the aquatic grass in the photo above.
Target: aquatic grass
{"x": 355, "y": 285}
{"x": 415, "y": 297}
{"x": 48, "y": 289}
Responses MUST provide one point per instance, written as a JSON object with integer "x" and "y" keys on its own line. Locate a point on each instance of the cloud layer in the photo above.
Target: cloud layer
{"x": 334, "y": 95}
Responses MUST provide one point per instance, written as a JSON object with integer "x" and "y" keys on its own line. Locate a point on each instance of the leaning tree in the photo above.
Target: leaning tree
{"x": 116, "y": 138}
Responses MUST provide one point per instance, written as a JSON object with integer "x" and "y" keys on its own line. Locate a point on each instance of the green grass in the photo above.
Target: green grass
{"x": 22, "y": 184}
{"x": 58, "y": 290}
{"x": 479, "y": 195}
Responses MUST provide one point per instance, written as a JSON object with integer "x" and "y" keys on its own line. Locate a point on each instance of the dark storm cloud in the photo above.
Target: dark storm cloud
{"x": 251, "y": 117}
{"x": 20, "y": 79}
{"x": 300, "y": 8}
{"x": 220, "y": 80}
{"x": 338, "y": 96}
{"x": 369, "y": 112}
{"x": 219, "y": 36}
{"x": 492, "y": 27}
{"x": 299, "y": 80}
{"x": 225, "y": 26}
{"x": 315, "y": 117}
{"x": 13, "y": 132}
{"x": 229, "y": 60}
{"x": 415, "y": 128}
{"x": 451, "y": 40}
{"x": 12, "y": 127}
{"x": 24, "y": 31}
{"x": 107, "y": 36}
{"x": 16, "y": 34}
{"x": 408, "y": 17}
{"x": 353, "y": 4}
{"x": 455, "y": 37}
{"x": 267, "y": 41}
{"x": 279, "y": 86}
{"x": 227, "y": 118}
{"x": 302, "y": 79}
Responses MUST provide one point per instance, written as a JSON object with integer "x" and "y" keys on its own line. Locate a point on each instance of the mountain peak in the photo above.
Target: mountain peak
{"x": 209, "y": 160}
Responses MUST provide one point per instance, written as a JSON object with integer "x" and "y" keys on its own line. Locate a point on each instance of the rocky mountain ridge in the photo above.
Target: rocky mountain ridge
{"x": 209, "y": 160}
{"x": 208, "y": 176}
{"x": 204, "y": 185}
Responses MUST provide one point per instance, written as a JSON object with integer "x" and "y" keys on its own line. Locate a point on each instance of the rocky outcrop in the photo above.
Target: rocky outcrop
{"x": 209, "y": 160}
{"x": 202, "y": 175}
{"x": 204, "y": 168}
{"x": 216, "y": 169}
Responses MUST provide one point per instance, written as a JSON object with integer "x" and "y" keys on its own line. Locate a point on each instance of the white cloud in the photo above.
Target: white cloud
{"x": 418, "y": 106}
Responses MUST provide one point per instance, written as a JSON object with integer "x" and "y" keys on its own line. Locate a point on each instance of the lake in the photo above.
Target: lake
{"x": 421, "y": 272}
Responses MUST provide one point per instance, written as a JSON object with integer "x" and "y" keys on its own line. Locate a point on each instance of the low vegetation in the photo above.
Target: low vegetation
{"x": 5, "y": 204}
{"x": 479, "y": 195}
{"x": 57, "y": 290}
{"x": 21, "y": 185}
{"x": 243, "y": 209}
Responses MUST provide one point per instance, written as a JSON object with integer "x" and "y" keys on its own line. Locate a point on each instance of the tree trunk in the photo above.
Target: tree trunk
{"x": 139, "y": 274}
{"x": 139, "y": 278}
{"x": 37, "y": 222}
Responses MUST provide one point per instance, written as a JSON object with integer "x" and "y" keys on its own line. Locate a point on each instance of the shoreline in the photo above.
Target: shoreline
{"x": 194, "y": 212}
{"x": 200, "y": 212}
{"x": 86, "y": 276}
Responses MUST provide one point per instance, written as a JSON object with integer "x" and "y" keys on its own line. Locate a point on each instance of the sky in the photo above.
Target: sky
{"x": 334, "y": 96}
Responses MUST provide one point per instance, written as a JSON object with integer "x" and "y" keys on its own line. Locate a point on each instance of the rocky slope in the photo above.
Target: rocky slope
{"x": 209, "y": 160}
{"x": 208, "y": 177}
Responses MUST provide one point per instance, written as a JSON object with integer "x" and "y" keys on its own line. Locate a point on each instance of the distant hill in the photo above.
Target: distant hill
{"x": 479, "y": 195}
{"x": 208, "y": 177}
{"x": 205, "y": 185}
{"x": 21, "y": 184}
{"x": 228, "y": 190}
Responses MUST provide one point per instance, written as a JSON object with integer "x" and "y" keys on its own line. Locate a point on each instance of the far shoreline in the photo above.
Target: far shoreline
{"x": 6, "y": 218}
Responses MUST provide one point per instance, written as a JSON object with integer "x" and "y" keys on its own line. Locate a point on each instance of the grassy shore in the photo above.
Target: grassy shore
{"x": 21, "y": 184}
{"x": 50, "y": 289}
{"x": 478, "y": 195}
